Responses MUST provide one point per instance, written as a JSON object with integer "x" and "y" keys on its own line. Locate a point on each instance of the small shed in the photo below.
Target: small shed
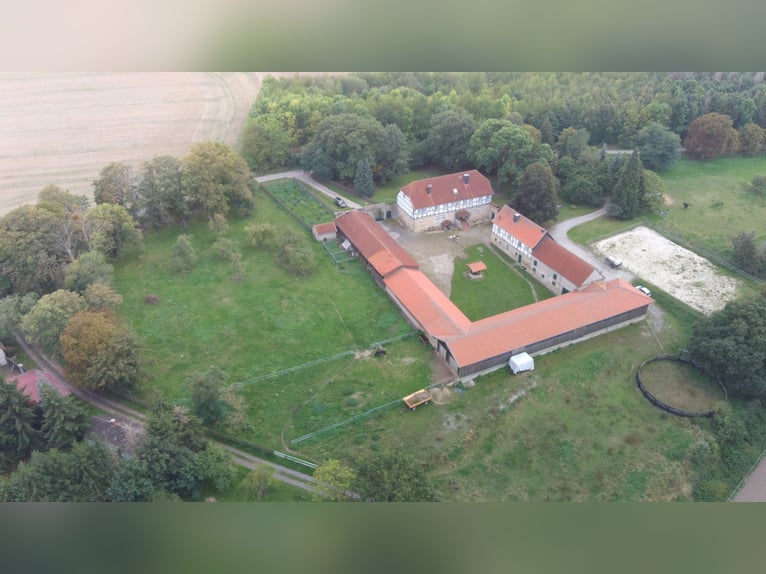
{"x": 477, "y": 268}
{"x": 325, "y": 231}
{"x": 521, "y": 362}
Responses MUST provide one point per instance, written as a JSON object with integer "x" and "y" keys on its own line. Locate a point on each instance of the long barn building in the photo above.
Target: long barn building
{"x": 471, "y": 347}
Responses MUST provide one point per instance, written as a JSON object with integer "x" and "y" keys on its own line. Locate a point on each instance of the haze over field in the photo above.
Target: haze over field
{"x": 64, "y": 128}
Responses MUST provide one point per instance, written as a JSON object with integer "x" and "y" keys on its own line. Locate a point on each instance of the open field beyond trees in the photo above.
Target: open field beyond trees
{"x": 64, "y": 128}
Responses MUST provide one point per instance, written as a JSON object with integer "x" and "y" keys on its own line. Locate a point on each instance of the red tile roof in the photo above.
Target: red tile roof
{"x": 566, "y": 263}
{"x": 373, "y": 242}
{"x": 543, "y": 320}
{"x": 443, "y": 189}
{"x": 325, "y": 228}
{"x": 525, "y": 230}
{"x": 29, "y": 383}
{"x": 477, "y": 267}
{"x": 438, "y": 316}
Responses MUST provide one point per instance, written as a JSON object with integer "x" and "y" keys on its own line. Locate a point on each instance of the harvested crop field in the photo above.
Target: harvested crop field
{"x": 674, "y": 269}
{"x": 64, "y": 128}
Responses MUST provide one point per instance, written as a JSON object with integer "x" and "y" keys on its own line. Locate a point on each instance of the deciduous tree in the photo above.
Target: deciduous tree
{"x": 333, "y": 481}
{"x": 161, "y": 192}
{"x": 216, "y": 179}
{"x": 572, "y": 142}
{"x": 90, "y": 268}
{"x": 342, "y": 140}
{"x": 751, "y": 139}
{"x": 710, "y": 136}
{"x": 47, "y": 319}
{"x": 207, "y": 395}
{"x": 85, "y": 337}
{"x": 393, "y": 477}
{"x": 31, "y": 257}
{"x": 173, "y": 457}
{"x": 118, "y": 185}
{"x": 448, "y": 139}
{"x": 119, "y": 367}
{"x": 747, "y": 256}
{"x": 110, "y": 228}
{"x": 265, "y": 143}
{"x": 731, "y": 344}
{"x": 82, "y": 474}
{"x": 536, "y": 194}
{"x": 184, "y": 254}
{"x": 67, "y": 214}
{"x": 658, "y": 146}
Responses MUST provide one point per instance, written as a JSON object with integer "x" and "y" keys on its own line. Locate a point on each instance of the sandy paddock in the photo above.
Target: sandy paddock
{"x": 674, "y": 269}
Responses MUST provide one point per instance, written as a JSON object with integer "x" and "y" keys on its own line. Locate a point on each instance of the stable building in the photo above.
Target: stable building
{"x": 425, "y": 204}
{"x": 472, "y": 347}
{"x": 362, "y": 235}
{"x": 535, "y": 250}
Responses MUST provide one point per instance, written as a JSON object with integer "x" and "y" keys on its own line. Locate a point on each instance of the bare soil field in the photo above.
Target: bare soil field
{"x": 677, "y": 271}
{"x": 64, "y": 128}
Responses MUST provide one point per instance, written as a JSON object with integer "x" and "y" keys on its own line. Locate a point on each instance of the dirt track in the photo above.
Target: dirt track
{"x": 64, "y": 128}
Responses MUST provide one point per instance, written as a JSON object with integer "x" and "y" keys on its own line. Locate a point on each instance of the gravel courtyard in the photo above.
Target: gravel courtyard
{"x": 434, "y": 250}
{"x": 674, "y": 269}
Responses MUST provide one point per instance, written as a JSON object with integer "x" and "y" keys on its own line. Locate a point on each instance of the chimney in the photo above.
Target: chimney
{"x": 516, "y": 217}
{"x": 428, "y": 189}
{"x": 454, "y": 190}
{"x": 465, "y": 178}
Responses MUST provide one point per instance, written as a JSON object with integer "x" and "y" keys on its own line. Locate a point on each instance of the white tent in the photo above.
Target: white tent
{"x": 521, "y": 362}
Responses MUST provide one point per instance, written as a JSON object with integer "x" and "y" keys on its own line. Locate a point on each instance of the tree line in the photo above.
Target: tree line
{"x": 611, "y": 107}
{"x": 366, "y": 129}
{"x": 50, "y": 460}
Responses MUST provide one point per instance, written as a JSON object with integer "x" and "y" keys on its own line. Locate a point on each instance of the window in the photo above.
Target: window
{"x": 535, "y": 263}
{"x": 555, "y": 276}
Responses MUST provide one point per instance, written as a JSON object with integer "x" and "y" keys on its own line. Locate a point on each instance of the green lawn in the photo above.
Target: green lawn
{"x": 582, "y": 431}
{"x": 718, "y": 209}
{"x": 502, "y": 288}
{"x": 266, "y": 322}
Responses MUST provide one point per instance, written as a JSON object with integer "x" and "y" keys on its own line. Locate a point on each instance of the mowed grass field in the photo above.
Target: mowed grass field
{"x": 268, "y": 321}
{"x": 574, "y": 429}
{"x": 500, "y": 289}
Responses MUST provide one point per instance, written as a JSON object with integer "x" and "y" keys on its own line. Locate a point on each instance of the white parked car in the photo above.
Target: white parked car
{"x": 644, "y": 290}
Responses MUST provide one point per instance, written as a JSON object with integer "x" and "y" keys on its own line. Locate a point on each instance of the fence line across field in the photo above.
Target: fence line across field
{"x": 302, "y": 366}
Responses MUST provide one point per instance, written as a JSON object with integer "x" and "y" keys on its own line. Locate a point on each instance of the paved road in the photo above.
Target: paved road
{"x": 308, "y": 180}
{"x": 126, "y": 414}
{"x": 754, "y": 488}
{"x": 560, "y": 231}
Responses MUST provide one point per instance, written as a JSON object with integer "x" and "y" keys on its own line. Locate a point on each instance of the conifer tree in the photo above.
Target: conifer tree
{"x": 626, "y": 196}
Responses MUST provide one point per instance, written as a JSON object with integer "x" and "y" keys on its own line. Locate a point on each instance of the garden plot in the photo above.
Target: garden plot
{"x": 677, "y": 271}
